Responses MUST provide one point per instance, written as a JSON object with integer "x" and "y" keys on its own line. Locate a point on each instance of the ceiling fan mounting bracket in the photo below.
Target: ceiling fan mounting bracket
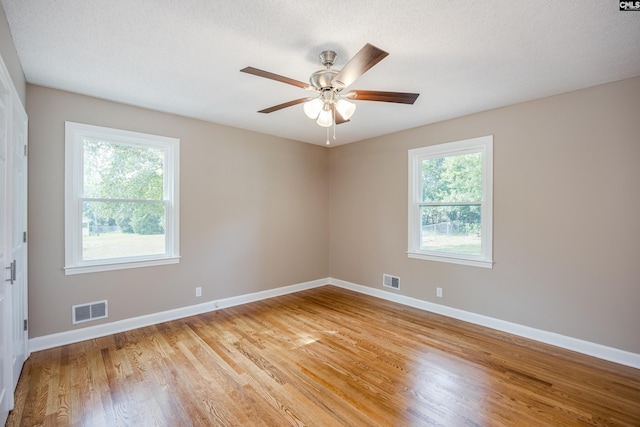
{"x": 327, "y": 58}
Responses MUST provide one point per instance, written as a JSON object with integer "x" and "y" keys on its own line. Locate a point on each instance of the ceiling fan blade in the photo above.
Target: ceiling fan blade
{"x": 366, "y": 58}
{"x": 338, "y": 117}
{"x": 376, "y": 95}
{"x": 273, "y": 76}
{"x": 284, "y": 105}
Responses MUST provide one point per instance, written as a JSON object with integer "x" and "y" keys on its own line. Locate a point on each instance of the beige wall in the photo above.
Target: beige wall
{"x": 254, "y": 214}
{"x": 566, "y": 215}
{"x": 10, "y": 57}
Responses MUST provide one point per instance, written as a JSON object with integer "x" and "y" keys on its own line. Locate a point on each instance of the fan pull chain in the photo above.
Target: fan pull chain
{"x": 334, "y": 125}
{"x": 328, "y": 143}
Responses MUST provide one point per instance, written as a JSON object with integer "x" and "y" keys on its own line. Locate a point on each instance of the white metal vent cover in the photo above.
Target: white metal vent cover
{"x": 391, "y": 281}
{"x": 90, "y": 311}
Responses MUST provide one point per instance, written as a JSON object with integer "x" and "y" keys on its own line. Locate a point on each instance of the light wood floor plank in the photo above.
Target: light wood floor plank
{"x": 322, "y": 357}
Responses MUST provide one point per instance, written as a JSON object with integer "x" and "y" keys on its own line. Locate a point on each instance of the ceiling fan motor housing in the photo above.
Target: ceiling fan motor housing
{"x": 323, "y": 79}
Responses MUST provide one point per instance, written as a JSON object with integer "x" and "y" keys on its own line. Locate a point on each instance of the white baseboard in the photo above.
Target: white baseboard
{"x": 585, "y": 347}
{"x": 91, "y": 332}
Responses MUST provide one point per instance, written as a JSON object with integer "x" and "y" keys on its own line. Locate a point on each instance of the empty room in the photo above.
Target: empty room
{"x": 380, "y": 213}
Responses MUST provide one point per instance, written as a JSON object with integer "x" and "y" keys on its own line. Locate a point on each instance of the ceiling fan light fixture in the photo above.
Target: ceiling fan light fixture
{"x": 325, "y": 118}
{"x": 312, "y": 108}
{"x": 345, "y": 108}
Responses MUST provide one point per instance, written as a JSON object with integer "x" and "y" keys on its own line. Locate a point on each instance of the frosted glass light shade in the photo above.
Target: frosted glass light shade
{"x": 312, "y": 108}
{"x": 325, "y": 119}
{"x": 345, "y": 108}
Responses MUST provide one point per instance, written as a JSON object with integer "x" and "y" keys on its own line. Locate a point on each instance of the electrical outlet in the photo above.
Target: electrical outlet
{"x": 199, "y": 291}
{"x": 439, "y": 292}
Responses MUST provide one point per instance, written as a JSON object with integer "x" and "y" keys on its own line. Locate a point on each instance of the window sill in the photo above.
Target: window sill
{"x": 95, "y": 268}
{"x": 452, "y": 259}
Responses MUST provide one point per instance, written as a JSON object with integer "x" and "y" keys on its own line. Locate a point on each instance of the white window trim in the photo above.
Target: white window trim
{"x": 482, "y": 144}
{"x": 74, "y": 135}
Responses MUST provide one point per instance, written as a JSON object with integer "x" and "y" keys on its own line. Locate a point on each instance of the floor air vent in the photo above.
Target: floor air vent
{"x": 90, "y": 311}
{"x": 391, "y": 281}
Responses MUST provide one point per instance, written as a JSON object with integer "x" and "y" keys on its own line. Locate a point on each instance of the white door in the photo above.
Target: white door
{"x": 18, "y": 220}
{"x": 6, "y": 387}
{"x": 13, "y": 248}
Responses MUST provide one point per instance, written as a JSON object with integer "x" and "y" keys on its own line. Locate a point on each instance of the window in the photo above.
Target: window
{"x": 450, "y": 202}
{"x": 121, "y": 199}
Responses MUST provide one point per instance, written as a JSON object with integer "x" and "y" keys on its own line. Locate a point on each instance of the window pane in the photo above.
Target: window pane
{"x": 452, "y": 229}
{"x": 117, "y": 171}
{"x": 452, "y": 178}
{"x": 117, "y": 230}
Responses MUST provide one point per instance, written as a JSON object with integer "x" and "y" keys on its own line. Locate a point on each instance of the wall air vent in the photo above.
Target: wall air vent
{"x": 90, "y": 311}
{"x": 391, "y": 281}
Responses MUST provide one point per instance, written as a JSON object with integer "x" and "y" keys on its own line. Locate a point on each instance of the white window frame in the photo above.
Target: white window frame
{"x": 75, "y": 133}
{"x": 484, "y": 145}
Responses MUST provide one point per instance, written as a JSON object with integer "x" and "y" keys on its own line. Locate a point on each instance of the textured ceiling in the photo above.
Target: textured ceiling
{"x": 184, "y": 56}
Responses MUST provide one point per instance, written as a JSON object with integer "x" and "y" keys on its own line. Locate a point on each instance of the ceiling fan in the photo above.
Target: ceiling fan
{"x": 330, "y": 106}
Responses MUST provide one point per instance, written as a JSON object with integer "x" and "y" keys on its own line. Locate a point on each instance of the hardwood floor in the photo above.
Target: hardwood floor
{"x": 322, "y": 357}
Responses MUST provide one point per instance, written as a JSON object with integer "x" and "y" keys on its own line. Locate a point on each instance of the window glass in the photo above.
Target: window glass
{"x": 451, "y": 198}
{"x": 122, "y": 229}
